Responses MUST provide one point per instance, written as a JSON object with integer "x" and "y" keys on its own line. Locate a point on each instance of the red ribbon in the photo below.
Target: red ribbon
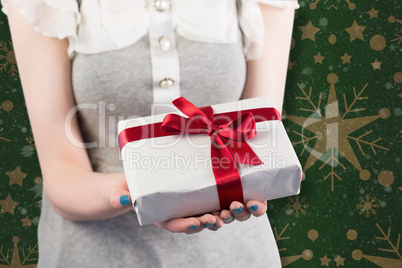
{"x": 228, "y": 132}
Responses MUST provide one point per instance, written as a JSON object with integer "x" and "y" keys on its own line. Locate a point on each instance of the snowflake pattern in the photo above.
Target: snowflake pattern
{"x": 7, "y": 59}
{"x": 26, "y": 151}
{"x": 398, "y": 111}
{"x": 15, "y": 260}
{"x": 393, "y": 248}
{"x": 31, "y": 141}
{"x": 367, "y": 205}
{"x": 297, "y": 206}
{"x": 388, "y": 85}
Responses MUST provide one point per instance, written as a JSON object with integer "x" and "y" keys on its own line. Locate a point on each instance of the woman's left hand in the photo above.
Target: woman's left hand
{"x": 241, "y": 212}
{"x": 215, "y": 220}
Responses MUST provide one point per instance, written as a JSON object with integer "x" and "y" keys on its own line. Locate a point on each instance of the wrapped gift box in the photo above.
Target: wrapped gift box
{"x": 172, "y": 175}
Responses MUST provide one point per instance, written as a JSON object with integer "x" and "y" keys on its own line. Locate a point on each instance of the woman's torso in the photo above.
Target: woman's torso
{"x": 118, "y": 84}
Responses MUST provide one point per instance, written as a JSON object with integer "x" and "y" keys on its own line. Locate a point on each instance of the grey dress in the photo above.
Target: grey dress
{"x": 120, "y": 83}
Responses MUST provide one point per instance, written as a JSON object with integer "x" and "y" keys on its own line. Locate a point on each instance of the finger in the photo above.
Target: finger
{"x": 182, "y": 225}
{"x": 216, "y": 213}
{"x": 120, "y": 196}
{"x": 121, "y": 199}
{"x": 207, "y": 220}
{"x": 257, "y": 208}
{"x": 218, "y": 224}
{"x": 239, "y": 211}
{"x": 227, "y": 216}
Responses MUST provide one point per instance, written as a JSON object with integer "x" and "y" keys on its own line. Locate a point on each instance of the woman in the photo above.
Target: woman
{"x": 110, "y": 58}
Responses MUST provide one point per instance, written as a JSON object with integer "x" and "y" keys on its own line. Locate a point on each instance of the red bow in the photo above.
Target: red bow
{"x": 229, "y": 146}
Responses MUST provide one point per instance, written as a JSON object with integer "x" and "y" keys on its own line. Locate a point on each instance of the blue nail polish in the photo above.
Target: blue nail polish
{"x": 193, "y": 227}
{"x": 124, "y": 200}
{"x": 215, "y": 227}
{"x": 208, "y": 224}
{"x": 253, "y": 208}
{"x": 227, "y": 219}
{"x": 237, "y": 210}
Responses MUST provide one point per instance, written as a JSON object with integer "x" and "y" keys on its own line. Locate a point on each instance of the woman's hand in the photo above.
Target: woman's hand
{"x": 215, "y": 220}
{"x": 121, "y": 200}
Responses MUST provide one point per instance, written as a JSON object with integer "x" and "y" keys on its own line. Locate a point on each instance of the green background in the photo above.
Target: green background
{"x": 342, "y": 112}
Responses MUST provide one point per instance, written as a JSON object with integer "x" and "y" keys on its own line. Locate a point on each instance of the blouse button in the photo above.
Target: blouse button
{"x": 161, "y": 5}
{"x": 164, "y": 43}
{"x": 166, "y": 83}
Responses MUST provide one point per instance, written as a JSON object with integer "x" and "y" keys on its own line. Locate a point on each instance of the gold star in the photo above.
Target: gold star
{"x": 327, "y": 139}
{"x": 376, "y": 65}
{"x": 8, "y": 205}
{"x": 325, "y": 261}
{"x": 373, "y": 13}
{"x": 339, "y": 261}
{"x": 26, "y": 222}
{"x": 16, "y": 176}
{"x": 290, "y": 65}
{"x": 318, "y": 58}
{"x": 309, "y": 31}
{"x": 356, "y": 31}
{"x": 345, "y": 58}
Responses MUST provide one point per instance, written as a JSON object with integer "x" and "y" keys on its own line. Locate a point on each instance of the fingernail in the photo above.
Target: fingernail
{"x": 208, "y": 224}
{"x": 193, "y": 227}
{"x": 237, "y": 210}
{"x": 124, "y": 200}
{"x": 215, "y": 227}
{"x": 227, "y": 219}
{"x": 253, "y": 208}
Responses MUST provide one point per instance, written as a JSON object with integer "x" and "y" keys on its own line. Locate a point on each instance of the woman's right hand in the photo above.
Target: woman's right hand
{"x": 121, "y": 200}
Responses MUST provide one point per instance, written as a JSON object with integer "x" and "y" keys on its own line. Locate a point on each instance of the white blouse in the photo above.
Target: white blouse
{"x": 103, "y": 25}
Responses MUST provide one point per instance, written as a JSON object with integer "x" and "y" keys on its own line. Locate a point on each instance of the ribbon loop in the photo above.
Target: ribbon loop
{"x": 228, "y": 144}
{"x": 195, "y": 114}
